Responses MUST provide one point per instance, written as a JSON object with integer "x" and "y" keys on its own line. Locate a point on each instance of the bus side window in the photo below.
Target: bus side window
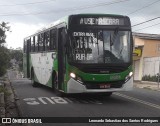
{"x": 53, "y": 39}
{"x": 43, "y": 42}
{"x": 36, "y": 44}
{"x": 46, "y": 41}
{"x": 25, "y": 46}
{"x": 40, "y": 41}
{"x": 32, "y": 44}
{"x": 29, "y": 45}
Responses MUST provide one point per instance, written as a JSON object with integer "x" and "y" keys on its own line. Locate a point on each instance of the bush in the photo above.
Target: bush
{"x": 18, "y": 56}
{"x": 150, "y": 78}
{"x": 2, "y": 71}
{"x": 4, "y": 90}
{"x": 4, "y": 60}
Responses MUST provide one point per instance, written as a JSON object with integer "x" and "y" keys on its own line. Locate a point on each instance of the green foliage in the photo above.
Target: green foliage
{"x": 150, "y": 78}
{"x": 18, "y": 56}
{"x": 4, "y": 52}
{"x": 4, "y": 90}
{"x": 2, "y": 71}
{"x": 4, "y": 60}
{"x": 3, "y": 29}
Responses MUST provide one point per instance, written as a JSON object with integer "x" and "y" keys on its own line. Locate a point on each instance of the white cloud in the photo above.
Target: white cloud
{"x": 18, "y": 32}
{"x": 47, "y": 12}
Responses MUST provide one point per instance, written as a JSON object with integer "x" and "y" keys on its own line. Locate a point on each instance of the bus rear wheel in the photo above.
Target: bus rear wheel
{"x": 55, "y": 86}
{"x": 55, "y": 82}
{"x": 34, "y": 84}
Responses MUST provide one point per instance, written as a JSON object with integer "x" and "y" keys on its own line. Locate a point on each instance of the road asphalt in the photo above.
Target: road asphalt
{"x": 11, "y": 112}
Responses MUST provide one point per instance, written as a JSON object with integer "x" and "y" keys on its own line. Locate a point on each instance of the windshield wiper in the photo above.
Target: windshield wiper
{"x": 120, "y": 52}
{"x": 115, "y": 34}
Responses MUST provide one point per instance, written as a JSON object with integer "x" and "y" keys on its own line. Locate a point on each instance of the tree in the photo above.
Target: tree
{"x": 4, "y": 60}
{"x": 3, "y": 29}
{"x": 4, "y": 52}
{"x": 18, "y": 56}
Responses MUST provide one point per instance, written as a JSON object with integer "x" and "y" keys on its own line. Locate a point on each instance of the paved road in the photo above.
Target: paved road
{"x": 43, "y": 102}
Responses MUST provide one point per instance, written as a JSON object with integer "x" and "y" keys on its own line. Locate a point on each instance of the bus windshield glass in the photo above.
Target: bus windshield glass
{"x": 100, "y": 46}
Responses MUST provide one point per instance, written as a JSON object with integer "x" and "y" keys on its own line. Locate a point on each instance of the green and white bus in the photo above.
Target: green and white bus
{"x": 82, "y": 53}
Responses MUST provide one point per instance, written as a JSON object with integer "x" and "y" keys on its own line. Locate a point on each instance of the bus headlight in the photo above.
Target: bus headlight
{"x": 78, "y": 79}
{"x": 73, "y": 75}
{"x": 128, "y": 76}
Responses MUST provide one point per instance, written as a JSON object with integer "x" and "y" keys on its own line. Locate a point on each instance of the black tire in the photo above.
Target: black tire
{"x": 55, "y": 86}
{"x": 34, "y": 84}
{"x": 108, "y": 94}
{"x": 105, "y": 94}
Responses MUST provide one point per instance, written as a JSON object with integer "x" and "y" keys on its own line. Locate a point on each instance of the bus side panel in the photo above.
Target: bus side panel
{"x": 54, "y": 68}
{"x": 42, "y": 64}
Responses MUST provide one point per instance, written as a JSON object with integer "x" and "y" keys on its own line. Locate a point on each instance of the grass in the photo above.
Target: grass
{"x": 4, "y": 90}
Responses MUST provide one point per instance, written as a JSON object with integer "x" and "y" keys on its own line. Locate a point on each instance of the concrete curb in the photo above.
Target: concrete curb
{"x": 2, "y": 105}
{"x": 9, "y": 103}
{"x": 2, "y": 102}
{"x": 17, "y": 103}
{"x": 15, "y": 96}
{"x": 147, "y": 86}
{"x": 146, "y": 82}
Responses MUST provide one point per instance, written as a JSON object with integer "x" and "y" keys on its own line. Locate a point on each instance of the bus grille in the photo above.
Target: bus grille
{"x": 96, "y": 85}
{"x": 103, "y": 70}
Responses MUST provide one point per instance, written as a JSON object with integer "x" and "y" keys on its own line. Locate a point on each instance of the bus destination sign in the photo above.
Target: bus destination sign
{"x": 101, "y": 21}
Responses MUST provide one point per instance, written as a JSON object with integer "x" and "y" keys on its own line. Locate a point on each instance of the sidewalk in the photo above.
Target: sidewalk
{"x": 2, "y": 102}
{"x": 8, "y": 103}
{"x": 147, "y": 85}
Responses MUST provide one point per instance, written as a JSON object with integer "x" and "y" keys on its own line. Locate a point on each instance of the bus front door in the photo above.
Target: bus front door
{"x": 61, "y": 57}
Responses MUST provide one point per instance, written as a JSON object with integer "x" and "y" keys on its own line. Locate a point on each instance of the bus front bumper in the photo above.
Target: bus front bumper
{"x": 75, "y": 87}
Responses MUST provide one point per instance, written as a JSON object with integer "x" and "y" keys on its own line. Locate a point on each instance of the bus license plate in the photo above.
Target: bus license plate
{"x": 104, "y": 86}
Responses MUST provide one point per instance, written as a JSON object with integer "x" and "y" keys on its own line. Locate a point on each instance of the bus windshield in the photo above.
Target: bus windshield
{"x": 100, "y": 46}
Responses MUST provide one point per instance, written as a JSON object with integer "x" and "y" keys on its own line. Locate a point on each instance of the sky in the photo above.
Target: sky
{"x": 26, "y": 17}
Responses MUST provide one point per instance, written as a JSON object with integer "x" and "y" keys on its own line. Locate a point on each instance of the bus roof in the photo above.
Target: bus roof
{"x": 66, "y": 19}
{"x": 62, "y": 20}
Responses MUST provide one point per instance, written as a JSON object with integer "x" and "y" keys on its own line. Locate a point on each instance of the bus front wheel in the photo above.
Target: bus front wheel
{"x": 105, "y": 94}
{"x": 55, "y": 86}
{"x": 108, "y": 94}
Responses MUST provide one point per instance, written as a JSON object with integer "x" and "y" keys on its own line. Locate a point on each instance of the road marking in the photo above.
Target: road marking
{"x": 94, "y": 101}
{"x": 31, "y": 101}
{"x": 67, "y": 99}
{"x": 138, "y": 100}
{"x": 83, "y": 101}
{"x": 59, "y": 100}
{"x": 45, "y": 100}
{"x": 41, "y": 99}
